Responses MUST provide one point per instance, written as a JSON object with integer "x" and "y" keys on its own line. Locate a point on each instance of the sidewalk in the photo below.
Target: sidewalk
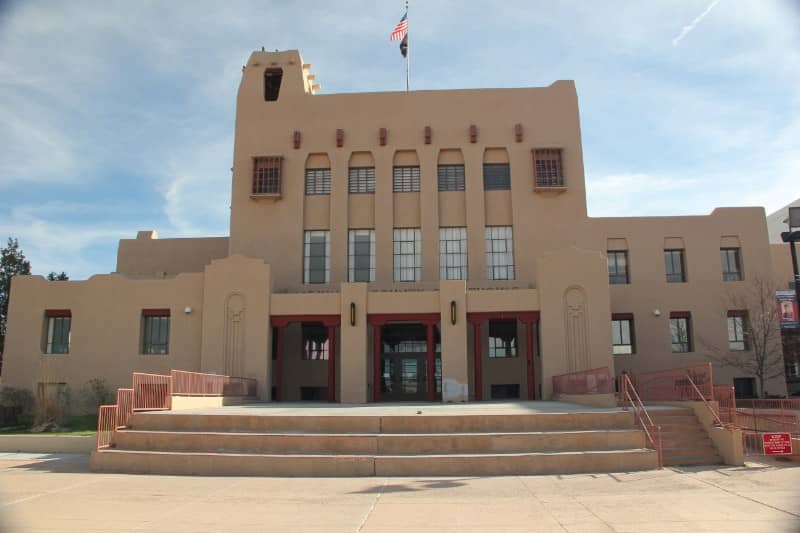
{"x": 57, "y": 493}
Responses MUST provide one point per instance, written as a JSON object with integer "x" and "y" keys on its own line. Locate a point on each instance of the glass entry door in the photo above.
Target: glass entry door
{"x": 404, "y": 377}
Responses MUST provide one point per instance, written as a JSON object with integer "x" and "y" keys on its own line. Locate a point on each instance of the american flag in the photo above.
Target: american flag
{"x": 400, "y": 30}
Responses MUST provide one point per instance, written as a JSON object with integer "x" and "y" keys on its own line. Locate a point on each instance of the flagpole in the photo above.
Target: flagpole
{"x": 408, "y": 55}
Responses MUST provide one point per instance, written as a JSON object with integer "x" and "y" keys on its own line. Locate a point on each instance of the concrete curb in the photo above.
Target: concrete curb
{"x": 48, "y": 443}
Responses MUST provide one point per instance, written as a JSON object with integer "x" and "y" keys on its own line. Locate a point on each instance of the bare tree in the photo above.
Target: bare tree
{"x": 760, "y": 352}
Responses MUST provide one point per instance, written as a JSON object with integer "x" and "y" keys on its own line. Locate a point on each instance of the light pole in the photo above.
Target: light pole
{"x": 792, "y": 236}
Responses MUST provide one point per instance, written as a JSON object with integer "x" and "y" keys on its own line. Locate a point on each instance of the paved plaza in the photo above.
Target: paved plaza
{"x": 57, "y": 493}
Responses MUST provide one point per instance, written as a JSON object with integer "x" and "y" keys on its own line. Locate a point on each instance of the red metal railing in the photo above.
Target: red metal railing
{"x": 151, "y": 392}
{"x": 596, "y": 380}
{"x": 630, "y": 398}
{"x": 106, "y": 425}
{"x": 124, "y": 407}
{"x": 786, "y": 404}
{"x": 725, "y": 397}
{"x": 196, "y": 384}
{"x": 676, "y": 384}
{"x": 772, "y": 420}
{"x": 239, "y": 386}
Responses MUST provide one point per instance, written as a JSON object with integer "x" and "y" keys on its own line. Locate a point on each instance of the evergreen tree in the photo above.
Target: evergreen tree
{"x": 12, "y": 263}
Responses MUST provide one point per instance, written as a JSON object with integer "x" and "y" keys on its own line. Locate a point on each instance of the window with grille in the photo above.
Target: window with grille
{"x": 272, "y": 83}
{"x": 496, "y": 177}
{"x": 731, "y": 264}
{"x": 361, "y": 255}
{"x": 267, "y": 175}
{"x": 618, "y": 268}
{"x": 502, "y": 338}
{"x": 453, "y": 253}
{"x": 361, "y": 179}
{"x": 316, "y": 254}
{"x": 547, "y": 167}
{"x": 500, "y": 252}
{"x": 622, "y": 336}
{"x": 451, "y": 177}
{"x": 680, "y": 333}
{"x": 405, "y": 179}
{"x": 674, "y": 266}
{"x": 57, "y": 331}
{"x": 315, "y": 342}
{"x": 155, "y": 331}
{"x": 407, "y": 254}
{"x": 318, "y": 181}
{"x": 737, "y": 331}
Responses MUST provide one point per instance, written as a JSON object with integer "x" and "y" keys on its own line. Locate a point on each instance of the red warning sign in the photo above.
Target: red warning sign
{"x": 777, "y": 443}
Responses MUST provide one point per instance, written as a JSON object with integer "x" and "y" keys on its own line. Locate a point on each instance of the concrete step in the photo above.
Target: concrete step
{"x": 686, "y": 450}
{"x": 171, "y": 463}
{"x": 692, "y": 460}
{"x": 377, "y": 443}
{"x": 181, "y": 421}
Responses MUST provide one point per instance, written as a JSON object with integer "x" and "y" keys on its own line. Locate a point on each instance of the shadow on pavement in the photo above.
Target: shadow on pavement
{"x": 56, "y": 463}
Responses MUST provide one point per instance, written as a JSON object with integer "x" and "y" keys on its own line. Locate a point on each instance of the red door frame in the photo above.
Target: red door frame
{"x": 329, "y": 321}
{"x": 377, "y": 321}
{"x": 529, "y": 318}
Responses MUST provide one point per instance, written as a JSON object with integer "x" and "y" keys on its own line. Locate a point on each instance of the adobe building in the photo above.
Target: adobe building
{"x": 401, "y": 246}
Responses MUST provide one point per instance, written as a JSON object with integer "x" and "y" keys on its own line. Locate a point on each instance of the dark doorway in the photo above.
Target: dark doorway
{"x": 744, "y": 387}
{"x": 404, "y": 369}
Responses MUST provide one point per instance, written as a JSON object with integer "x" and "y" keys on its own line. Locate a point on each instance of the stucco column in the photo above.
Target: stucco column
{"x": 455, "y": 368}
{"x": 429, "y": 212}
{"x": 353, "y": 343}
{"x": 476, "y": 211}
{"x": 384, "y": 217}
{"x": 339, "y": 198}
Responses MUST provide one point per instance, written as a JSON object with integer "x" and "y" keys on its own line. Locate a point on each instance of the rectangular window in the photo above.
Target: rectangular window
{"x": 500, "y": 252}
{"x": 316, "y": 254}
{"x": 680, "y": 331}
{"x": 267, "y": 175}
{"x": 737, "y": 331}
{"x": 618, "y": 268}
{"x": 731, "y": 265}
{"x": 453, "y": 253}
{"x": 674, "y": 266}
{"x": 315, "y": 342}
{"x": 405, "y": 179}
{"x": 58, "y": 332}
{"x": 502, "y": 338}
{"x": 496, "y": 177}
{"x": 361, "y": 255}
{"x": 318, "y": 181}
{"x": 451, "y": 177}
{"x": 407, "y": 254}
{"x": 622, "y": 335}
{"x": 548, "y": 168}
{"x": 361, "y": 179}
{"x": 155, "y": 331}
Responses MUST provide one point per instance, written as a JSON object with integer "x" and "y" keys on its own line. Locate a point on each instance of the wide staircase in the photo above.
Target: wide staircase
{"x": 685, "y": 442}
{"x": 377, "y": 445}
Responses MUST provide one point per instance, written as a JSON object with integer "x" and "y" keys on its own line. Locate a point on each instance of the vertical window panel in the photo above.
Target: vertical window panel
{"x": 499, "y": 252}
{"x": 731, "y": 264}
{"x": 318, "y": 181}
{"x": 361, "y": 255}
{"x": 361, "y": 179}
{"x": 453, "y": 253}
{"x": 405, "y": 179}
{"x": 407, "y": 254}
{"x": 316, "y": 257}
{"x": 451, "y": 177}
{"x": 618, "y": 268}
{"x": 496, "y": 177}
{"x": 674, "y": 265}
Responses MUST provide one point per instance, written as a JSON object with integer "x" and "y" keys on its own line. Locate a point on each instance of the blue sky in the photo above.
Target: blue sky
{"x": 118, "y": 116}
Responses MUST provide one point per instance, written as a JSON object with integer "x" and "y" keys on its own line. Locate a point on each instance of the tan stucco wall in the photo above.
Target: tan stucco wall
{"x": 782, "y": 264}
{"x": 147, "y": 256}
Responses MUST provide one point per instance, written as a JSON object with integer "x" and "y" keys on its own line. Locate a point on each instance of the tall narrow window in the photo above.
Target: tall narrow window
{"x": 680, "y": 332}
{"x": 451, "y": 177}
{"x": 272, "y": 83}
{"x": 548, "y": 168}
{"x": 618, "y": 268}
{"x": 407, "y": 254}
{"x": 622, "y": 335}
{"x": 318, "y": 181}
{"x": 674, "y": 266}
{"x": 361, "y": 179}
{"x": 453, "y": 253}
{"x": 405, "y": 179}
{"x": 496, "y": 177}
{"x": 267, "y": 175}
{"x": 500, "y": 252}
{"x": 502, "y": 338}
{"x": 737, "y": 331}
{"x": 316, "y": 254}
{"x": 731, "y": 264}
{"x": 58, "y": 323}
{"x": 361, "y": 255}
{"x": 315, "y": 342}
{"x": 155, "y": 331}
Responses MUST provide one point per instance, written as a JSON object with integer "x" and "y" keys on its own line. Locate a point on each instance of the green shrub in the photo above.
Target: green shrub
{"x": 95, "y": 393}
{"x": 16, "y": 407}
